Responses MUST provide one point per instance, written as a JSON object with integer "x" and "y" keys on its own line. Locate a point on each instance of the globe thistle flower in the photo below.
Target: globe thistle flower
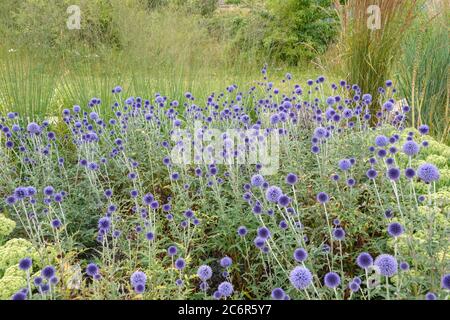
{"x": 204, "y": 272}
{"x": 259, "y": 242}
{"x": 424, "y": 129}
{"x": 147, "y": 199}
{"x": 354, "y": 287}
{"x": 180, "y": 264}
{"x": 291, "y": 179}
{"x": 33, "y": 128}
{"x": 225, "y": 289}
{"x": 92, "y": 269}
{"x": 242, "y": 231}
{"x": 404, "y": 266}
{"x": 283, "y": 224}
{"x": 172, "y": 250}
{"x": 430, "y": 296}
{"x": 217, "y": 295}
{"x": 138, "y": 278}
{"x": 393, "y": 173}
{"x": 150, "y": 236}
{"x": 410, "y": 148}
{"x": 445, "y": 281}
{"x": 357, "y": 280}
{"x": 428, "y": 172}
{"x": 381, "y": 141}
{"x": 364, "y": 260}
{"x": 48, "y": 272}
{"x": 19, "y": 296}
{"x": 320, "y": 132}
{"x": 332, "y": 280}
{"x": 395, "y": 229}
{"x": 226, "y": 262}
{"x": 284, "y": 201}
{"x": 410, "y": 173}
{"x": 344, "y": 164}
{"x": 351, "y": 182}
{"x": 386, "y": 264}
{"x": 257, "y": 180}
{"x": 301, "y": 278}
{"x": 339, "y": 234}
{"x": 37, "y": 281}
{"x": 278, "y": 294}
{"x": 300, "y": 254}
{"x": 273, "y": 193}
{"x": 104, "y": 224}
{"x": 322, "y": 197}
{"x": 25, "y": 264}
{"x": 263, "y": 232}
{"x": 54, "y": 280}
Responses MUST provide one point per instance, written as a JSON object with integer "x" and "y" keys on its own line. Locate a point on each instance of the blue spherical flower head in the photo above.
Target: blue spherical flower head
{"x": 172, "y": 250}
{"x": 345, "y": 164}
{"x": 322, "y": 197}
{"x": 139, "y": 288}
{"x": 104, "y": 224}
{"x": 393, "y": 173}
{"x": 301, "y": 278}
{"x": 428, "y": 173}
{"x": 278, "y": 294}
{"x": 242, "y": 231}
{"x": 226, "y": 262}
{"x": 284, "y": 201}
{"x": 404, "y": 266}
{"x": 217, "y": 295}
{"x": 386, "y": 264}
{"x": 364, "y": 260}
{"x": 410, "y": 173}
{"x": 291, "y": 179}
{"x": 445, "y": 281}
{"x": 25, "y": 264}
{"x": 138, "y": 278}
{"x": 19, "y": 296}
{"x": 430, "y": 296}
{"x": 225, "y": 289}
{"x": 354, "y": 287}
{"x": 257, "y": 180}
{"x": 48, "y": 272}
{"x": 410, "y": 148}
{"x": 33, "y": 128}
{"x": 395, "y": 229}
{"x": 204, "y": 272}
{"x": 339, "y": 234}
{"x": 263, "y": 232}
{"x": 300, "y": 254}
{"x": 273, "y": 193}
{"x": 180, "y": 264}
{"x": 332, "y": 280}
{"x": 320, "y": 132}
{"x": 150, "y": 236}
{"x": 424, "y": 129}
{"x": 92, "y": 269}
{"x": 381, "y": 141}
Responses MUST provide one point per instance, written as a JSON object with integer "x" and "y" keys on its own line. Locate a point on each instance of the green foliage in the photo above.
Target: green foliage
{"x": 290, "y": 32}
{"x": 369, "y": 55}
{"x": 423, "y": 73}
{"x": 300, "y": 30}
